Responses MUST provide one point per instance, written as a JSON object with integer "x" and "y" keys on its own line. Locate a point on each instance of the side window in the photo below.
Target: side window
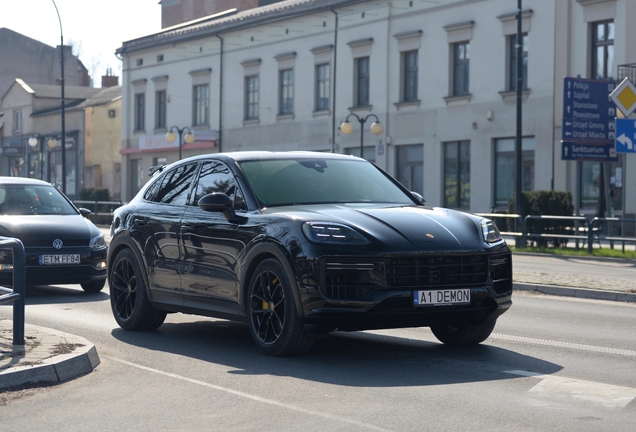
{"x": 173, "y": 187}
{"x": 217, "y": 177}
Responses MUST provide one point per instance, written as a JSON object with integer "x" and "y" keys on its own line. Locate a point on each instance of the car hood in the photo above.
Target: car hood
{"x": 406, "y": 227}
{"x": 40, "y": 230}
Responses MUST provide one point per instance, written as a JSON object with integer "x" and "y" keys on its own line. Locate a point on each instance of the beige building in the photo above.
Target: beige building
{"x": 102, "y": 138}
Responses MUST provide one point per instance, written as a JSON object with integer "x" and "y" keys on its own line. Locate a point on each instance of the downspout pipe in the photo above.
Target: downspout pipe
{"x": 219, "y": 137}
{"x": 335, "y": 59}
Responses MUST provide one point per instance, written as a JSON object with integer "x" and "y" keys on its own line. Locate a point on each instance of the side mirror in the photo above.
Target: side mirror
{"x": 218, "y": 202}
{"x": 84, "y": 212}
{"x": 418, "y": 197}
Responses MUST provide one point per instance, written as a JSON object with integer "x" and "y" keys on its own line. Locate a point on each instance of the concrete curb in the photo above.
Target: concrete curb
{"x": 585, "y": 293}
{"x": 55, "y": 368}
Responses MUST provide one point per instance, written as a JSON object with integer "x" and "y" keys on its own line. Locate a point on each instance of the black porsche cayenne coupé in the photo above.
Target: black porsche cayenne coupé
{"x": 60, "y": 244}
{"x": 300, "y": 244}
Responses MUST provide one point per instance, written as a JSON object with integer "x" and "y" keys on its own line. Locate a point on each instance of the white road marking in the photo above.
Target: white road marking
{"x": 592, "y": 348}
{"x": 250, "y": 396}
{"x": 609, "y": 396}
{"x": 427, "y": 336}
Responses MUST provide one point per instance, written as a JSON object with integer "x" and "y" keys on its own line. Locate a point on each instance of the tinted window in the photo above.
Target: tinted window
{"x": 30, "y": 200}
{"x": 173, "y": 187}
{"x": 217, "y": 177}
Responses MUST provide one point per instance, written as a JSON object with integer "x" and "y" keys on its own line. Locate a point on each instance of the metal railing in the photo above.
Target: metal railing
{"x": 575, "y": 232}
{"x": 580, "y": 229}
{"x": 101, "y": 211}
{"x": 515, "y": 217}
{"x": 611, "y": 227}
{"x": 17, "y": 293}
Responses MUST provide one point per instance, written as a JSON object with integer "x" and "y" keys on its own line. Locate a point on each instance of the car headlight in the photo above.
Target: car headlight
{"x": 97, "y": 242}
{"x": 490, "y": 231}
{"x": 332, "y": 233}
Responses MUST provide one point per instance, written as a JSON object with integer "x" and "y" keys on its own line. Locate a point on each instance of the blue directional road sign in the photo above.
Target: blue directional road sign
{"x": 592, "y": 152}
{"x": 625, "y": 135}
{"x": 588, "y": 112}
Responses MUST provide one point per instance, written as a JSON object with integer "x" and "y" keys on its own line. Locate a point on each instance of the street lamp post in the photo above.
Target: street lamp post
{"x": 188, "y": 138}
{"x": 346, "y": 127}
{"x": 52, "y": 143}
{"x": 520, "y": 241}
{"x": 33, "y": 143}
{"x": 62, "y": 100}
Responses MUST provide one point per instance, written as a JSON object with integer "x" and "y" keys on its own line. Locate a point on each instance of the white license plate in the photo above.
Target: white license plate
{"x": 59, "y": 259}
{"x": 441, "y": 297}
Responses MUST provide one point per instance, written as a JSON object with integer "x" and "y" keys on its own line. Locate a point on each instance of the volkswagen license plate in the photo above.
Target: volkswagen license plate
{"x": 441, "y": 297}
{"x": 59, "y": 259}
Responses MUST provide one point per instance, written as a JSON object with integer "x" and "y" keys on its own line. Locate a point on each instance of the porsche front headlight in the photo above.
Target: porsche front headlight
{"x": 490, "y": 231}
{"x": 332, "y": 233}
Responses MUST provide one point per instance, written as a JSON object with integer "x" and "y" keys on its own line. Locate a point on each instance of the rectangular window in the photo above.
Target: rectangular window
{"x": 512, "y": 77}
{"x": 461, "y": 68}
{"x": 457, "y": 174}
{"x": 505, "y": 169}
{"x": 410, "y": 167}
{"x": 251, "y": 98}
{"x": 160, "y": 110}
{"x": 410, "y": 70}
{"x": 593, "y": 177}
{"x": 140, "y": 111}
{"x": 362, "y": 81}
{"x": 17, "y": 121}
{"x": 602, "y": 49}
{"x": 286, "y": 88}
{"x": 322, "y": 87}
{"x": 201, "y": 110}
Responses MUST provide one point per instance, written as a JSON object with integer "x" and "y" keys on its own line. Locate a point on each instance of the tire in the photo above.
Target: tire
{"x": 93, "y": 286}
{"x": 128, "y": 296}
{"x": 272, "y": 315}
{"x": 469, "y": 334}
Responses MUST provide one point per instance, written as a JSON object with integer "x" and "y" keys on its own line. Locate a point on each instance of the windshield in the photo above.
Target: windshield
{"x": 32, "y": 200}
{"x": 318, "y": 181}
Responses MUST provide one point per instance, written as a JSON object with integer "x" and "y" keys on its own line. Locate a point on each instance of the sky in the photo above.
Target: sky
{"x": 94, "y": 28}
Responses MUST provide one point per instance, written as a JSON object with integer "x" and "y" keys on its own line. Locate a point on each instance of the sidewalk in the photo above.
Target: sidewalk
{"x": 49, "y": 357}
{"x": 52, "y": 357}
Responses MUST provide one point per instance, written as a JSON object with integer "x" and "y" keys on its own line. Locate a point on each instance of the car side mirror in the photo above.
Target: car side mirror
{"x": 418, "y": 197}
{"x": 84, "y": 212}
{"x": 218, "y": 202}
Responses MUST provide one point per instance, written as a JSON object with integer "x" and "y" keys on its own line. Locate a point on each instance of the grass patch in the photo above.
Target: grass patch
{"x": 604, "y": 252}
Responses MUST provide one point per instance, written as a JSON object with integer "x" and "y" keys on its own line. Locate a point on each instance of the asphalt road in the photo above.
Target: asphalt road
{"x": 551, "y": 364}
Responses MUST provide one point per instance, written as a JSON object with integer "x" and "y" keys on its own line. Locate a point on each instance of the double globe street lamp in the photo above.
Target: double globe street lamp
{"x": 188, "y": 138}
{"x": 376, "y": 128}
{"x": 33, "y": 143}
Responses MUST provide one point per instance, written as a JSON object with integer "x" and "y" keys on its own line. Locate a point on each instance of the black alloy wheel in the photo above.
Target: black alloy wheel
{"x": 128, "y": 298}
{"x": 466, "y": 334}
{"x": 273, "y": 319}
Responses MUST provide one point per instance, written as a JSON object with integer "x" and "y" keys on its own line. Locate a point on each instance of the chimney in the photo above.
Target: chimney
{"x": 109, "y": 80}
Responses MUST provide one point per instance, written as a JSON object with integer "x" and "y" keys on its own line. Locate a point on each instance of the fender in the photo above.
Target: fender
{"x": 125, "y": 242}
{"x": 277, "y": 250}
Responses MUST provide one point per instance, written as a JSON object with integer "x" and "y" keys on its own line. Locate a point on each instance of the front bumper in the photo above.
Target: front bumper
{"x": 92, "y": 267}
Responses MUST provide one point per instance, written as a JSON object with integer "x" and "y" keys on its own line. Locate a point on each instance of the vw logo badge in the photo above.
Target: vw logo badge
{"x": 57, "y": 244}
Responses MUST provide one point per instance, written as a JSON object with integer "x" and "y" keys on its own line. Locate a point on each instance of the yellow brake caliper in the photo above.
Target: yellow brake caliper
{"x": 266, "y": 305}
